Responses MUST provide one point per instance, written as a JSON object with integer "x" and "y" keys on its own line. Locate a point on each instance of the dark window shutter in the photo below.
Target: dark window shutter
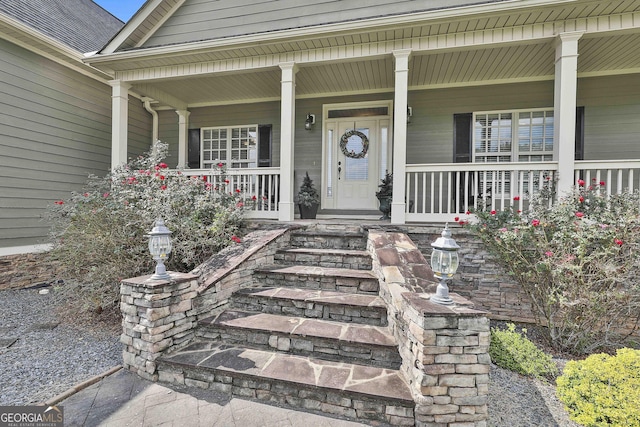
{"x": 193, "y": 160}
{"x": 462, "y": 132}
{"x": 579, "y": 133}
{"x": 264, "y": 145}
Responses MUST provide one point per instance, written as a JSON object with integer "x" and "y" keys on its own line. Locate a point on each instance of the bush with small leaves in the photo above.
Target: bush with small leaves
{"x": 603, "y": 390}
{"x": 512, "y": 350}
{"x": 99, "y": 235}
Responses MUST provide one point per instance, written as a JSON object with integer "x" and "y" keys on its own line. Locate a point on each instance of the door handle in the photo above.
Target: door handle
{"x": 339, "y": 169}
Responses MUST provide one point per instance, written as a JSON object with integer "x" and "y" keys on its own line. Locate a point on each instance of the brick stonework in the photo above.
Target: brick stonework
{"x": 444, "y": 350}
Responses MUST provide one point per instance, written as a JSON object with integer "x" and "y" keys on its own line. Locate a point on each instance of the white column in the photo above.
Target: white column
{"x": 400, "y": 135}
{"x": 183, "y": 135}
{"x": 564, "y": 105}
{"x": 119, "y": 121}
{"x": 287, "y": 132}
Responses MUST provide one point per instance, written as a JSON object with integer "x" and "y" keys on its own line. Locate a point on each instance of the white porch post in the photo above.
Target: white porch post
{"x": 287, "y": 132}
{"x": 119, "y": 121}
{"x": 183, "y": 135}
{"x": 565, "y": 92}
{"x": 400, "y": 135}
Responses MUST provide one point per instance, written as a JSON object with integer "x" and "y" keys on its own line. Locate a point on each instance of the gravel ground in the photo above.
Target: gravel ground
{"x": 45, "y": 362}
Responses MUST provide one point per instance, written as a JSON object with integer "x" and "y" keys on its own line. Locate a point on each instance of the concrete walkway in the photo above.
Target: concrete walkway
{"x": 124, "y": 399}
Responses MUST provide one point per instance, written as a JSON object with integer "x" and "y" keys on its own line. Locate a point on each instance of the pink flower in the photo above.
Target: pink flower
{"x": 239, "y": 205}
{"x": 618, "y": 242}
{"x": 535, "y": 222}
{"x": 581, "y": 182}
{"x": 161, "y": 177}
{"x": 519, "y": 211}
{"x": 163, "y": 165}
{"x": 163, "y": 187}
{"x": 456, "y": 219}
{"x": 220, "y": 164}
{"x": 579, "y": 214}
{"x": 581, "y": 199}
{"x": 602, "y": 183}
{"x": 493, "y": 212}
{"x": 86, "y": 194}
{"x": 208, "y": 186}
{"x": 503, "y": 229}
{"x": 516, "y": 198}
{"x": 548, "y": 253}
{"x": 59, "y": 202}
{"x": 236, "y": 239}
{"x": 105, "y": 195}
{"x": 226, "y": 181}
{"x": 593, "y": 179}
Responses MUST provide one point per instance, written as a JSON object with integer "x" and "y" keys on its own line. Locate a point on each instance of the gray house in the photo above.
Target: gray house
{"x": 55, "y": 111}
{"x": 466, "y": 102}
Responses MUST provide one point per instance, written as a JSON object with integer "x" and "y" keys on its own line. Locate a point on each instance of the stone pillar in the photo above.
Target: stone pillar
{"x": 119, "y": 121}
{"x": 157, "y": 315}
{"x": 183, "y": 137}
{"x": 287, "y": 132}
{"x": 564, "y": 108}
{"x": 400, "y": 135}
{"x": 451, "y": 363}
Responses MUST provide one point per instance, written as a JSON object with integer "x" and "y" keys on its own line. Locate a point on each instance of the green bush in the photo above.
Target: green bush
{"x": 603, "y": 390}
{"x": 514, "y": 351}
{"x": 99, "y": 236}
{"x": 576, "y": 259}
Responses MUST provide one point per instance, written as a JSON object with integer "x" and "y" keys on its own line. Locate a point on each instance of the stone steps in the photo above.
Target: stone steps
{"x": 324, "y": 239}
{"x": 322, "y": 339}
{"x": 342, "y": 389}
{"x": 333, "y": 258}
{"x": 328, "y": 305}
{"x": 321, "y": 278}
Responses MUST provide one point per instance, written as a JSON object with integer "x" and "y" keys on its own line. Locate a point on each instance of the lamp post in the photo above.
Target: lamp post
{"x": 160, "y": 248}
{"x": 444, "y": 263}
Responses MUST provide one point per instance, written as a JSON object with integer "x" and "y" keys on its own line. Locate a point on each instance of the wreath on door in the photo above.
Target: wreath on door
{"x": 344, "y": 140}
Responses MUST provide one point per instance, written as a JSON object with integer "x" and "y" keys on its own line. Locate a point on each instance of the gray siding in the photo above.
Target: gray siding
{"x": 55, "y": 129}
{"x": 205, "y": 19}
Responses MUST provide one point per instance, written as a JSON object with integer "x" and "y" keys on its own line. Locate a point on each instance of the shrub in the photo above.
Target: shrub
{"x": 100, "y": 234}
{"x": 603, "y": 390}
{"x": 514, "y": 351}
{"x": 576, "y": 261}
{"x": 308, "y": 195}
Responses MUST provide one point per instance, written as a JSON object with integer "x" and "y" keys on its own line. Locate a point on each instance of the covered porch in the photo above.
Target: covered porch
{"x": 493, "y": 66}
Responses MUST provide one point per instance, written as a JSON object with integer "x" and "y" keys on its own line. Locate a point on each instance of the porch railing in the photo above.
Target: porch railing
{"x": 260, "y": 187}
{"x": 615, "y": 176}
{"x": 442, "y": 191}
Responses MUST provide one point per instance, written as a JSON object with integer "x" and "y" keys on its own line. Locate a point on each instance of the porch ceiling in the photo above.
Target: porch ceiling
{"x": 501, "y": 64}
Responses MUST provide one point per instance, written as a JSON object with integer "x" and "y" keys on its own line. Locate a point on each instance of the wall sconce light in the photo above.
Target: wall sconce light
{"x": 310, "y": 121}
{"x": 160, "y": 248}
{"x": 444, "y": 263}
{"x": 409, "y": 114}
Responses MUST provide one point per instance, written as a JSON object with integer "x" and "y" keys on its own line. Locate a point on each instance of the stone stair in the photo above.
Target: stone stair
{"x": 311, "y": 333}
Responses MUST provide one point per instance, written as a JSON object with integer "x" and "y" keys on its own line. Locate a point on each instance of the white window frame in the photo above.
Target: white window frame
{"x": 251, "y": 160}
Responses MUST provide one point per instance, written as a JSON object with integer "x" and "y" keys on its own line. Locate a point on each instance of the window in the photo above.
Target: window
{"x": 507, "y": 136}
{"x": 236, "y": 146}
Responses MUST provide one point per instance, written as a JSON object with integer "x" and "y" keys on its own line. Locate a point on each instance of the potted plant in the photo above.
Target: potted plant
{"x": 385, "y": 194}
{"x": 308, "y": 199}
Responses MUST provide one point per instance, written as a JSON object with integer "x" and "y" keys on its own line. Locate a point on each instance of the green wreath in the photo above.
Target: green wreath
{"x": 344, "y": 140}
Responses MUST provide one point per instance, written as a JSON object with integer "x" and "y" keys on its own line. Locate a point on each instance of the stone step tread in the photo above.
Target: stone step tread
{"x": 309, "y": 270}
{"x": 327, "y": 233}
{"x": 317, "y": 296}
{"x": 317, "y": 251}
{"x": 341, "y": 377}
{"x": 299, "y": 326}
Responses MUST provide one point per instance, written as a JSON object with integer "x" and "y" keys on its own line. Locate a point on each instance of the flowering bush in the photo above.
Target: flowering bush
{"x": 576, "y": 259}
{"x": 100, "y": 234}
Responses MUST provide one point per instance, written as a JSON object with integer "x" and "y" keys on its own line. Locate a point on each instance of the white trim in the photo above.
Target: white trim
{"x": 20, "y": 250}
{"x": 131, "y": 26}
{"x": 160, "y": 23}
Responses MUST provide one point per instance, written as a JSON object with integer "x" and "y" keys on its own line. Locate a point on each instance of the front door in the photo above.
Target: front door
{"x": 356, "y": 158}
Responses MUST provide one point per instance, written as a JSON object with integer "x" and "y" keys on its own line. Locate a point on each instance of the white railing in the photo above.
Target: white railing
{"x": 616, "y": 175}
{"x": 443, "y": 191}
{"x": 260, "y": 187}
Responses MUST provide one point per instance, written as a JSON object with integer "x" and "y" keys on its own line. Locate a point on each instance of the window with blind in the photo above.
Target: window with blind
{"x": 236, "y": 147}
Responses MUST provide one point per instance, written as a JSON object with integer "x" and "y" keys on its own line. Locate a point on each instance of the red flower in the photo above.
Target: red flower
{"x": 226, "y": 181}
{"x": 204, "y": 178}
{"x": 157, "y": 167}
{"x": 161, "y": 177}
{"x": 456, "y": 219}
{"x": 593, "y": 179}
{"x": 493, "y": 212}
{"x": 581, "y": 199}
{"x": 220, "y": 164}
{"x": 238, "y": 190}
{"x": 579, "y": 214}
{"x": 535, "y": 222}
{"x": 163, "y": 187}
{"x": 519, "y": 211}
{"x": 462, "y": 222}
{"x": 163, "y": 165}
{"x": 254, "y": 198}
{"x": 86, "y": 194}
{"x": 208, "y": 186}
{"x": 602, "y": 183}
{"x": 236, "y": 239}
{"x": 581, "y": 182}
{"x": 59, "y": 202}
{"x": 516, "y": 198}
{"x": 618, "y": 242}
{"x": 468, "y": 213}
{"x": 239, "y": 205}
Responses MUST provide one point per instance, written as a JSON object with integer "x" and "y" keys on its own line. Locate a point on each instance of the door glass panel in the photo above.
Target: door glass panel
{"x": 357, "y": 169}
{"x": 329, "y": 146}
{"x": 384, "y": 148}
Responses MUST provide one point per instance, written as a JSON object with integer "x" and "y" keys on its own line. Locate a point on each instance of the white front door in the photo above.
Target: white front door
{"x": 356, "y": 156}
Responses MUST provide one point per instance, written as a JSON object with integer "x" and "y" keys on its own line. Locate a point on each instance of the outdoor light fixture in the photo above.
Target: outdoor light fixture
{"x": 310, "y": 121}
{"x": 160, "y": 248}
{"x": 444, "y": 263}
{"x": 409, "y": 114}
